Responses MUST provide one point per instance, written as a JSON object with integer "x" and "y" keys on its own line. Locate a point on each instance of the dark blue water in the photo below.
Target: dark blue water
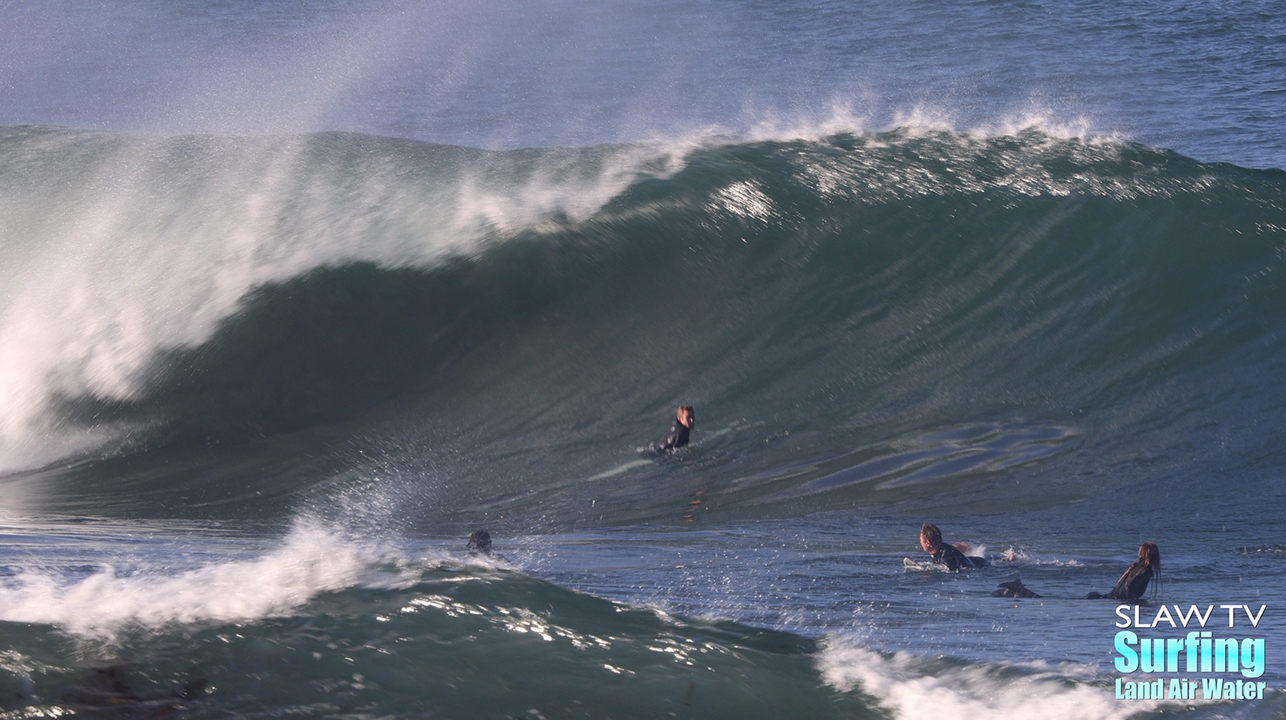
{"x": 295, "y": 296}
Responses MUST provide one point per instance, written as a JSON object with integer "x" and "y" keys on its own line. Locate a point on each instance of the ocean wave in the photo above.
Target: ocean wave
{"x": 858, "y": 303}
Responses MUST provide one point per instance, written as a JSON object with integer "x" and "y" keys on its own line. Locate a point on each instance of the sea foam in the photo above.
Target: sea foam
{"x": 916, "y": 687}
{"x": 310, "y": 560}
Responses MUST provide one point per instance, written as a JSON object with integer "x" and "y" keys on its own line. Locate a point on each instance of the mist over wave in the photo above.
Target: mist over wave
{"x": 124, "y": 247}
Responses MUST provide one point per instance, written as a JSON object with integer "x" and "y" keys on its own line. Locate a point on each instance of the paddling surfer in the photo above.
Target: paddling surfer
{"x": 480, "y": 543}
{"x": 684, "y": 419}
{"x": 480, "y": 547}
{"x": 944, "y": 553}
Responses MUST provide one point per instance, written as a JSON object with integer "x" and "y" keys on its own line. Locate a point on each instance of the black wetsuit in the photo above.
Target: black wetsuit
{"x": 677, "y": 438}
{"x": 1133, "y": 583}
{"x": 950, "y": 555}
{"x": 1014, "y": 589}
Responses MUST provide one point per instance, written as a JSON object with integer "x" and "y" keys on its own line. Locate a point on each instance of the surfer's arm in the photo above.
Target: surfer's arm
{"x": 676, "y": 438}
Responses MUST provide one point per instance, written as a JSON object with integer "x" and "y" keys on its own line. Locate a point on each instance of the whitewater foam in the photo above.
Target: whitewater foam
{"x": 157, "y": 241}
{"x": 311, "y": 560}
{"x": 915, "y": 687}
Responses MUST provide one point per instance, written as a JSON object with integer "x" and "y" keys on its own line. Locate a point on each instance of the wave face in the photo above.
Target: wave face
{"x": 856, "y": 317}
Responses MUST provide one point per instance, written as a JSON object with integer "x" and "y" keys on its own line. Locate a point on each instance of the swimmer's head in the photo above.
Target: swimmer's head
{"x": 686, "y": 416}
{"x": 930, "y": 537}
{"x": 1150, "y": 554}
{"x": 480, "y": 541}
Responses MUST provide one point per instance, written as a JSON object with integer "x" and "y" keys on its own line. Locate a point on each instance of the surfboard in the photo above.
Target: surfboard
{"x": 919, "y": 565}
{"x": 619, "y": 469}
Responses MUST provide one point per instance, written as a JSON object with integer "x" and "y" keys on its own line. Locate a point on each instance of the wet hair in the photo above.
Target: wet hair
{"x": 480, "y": 541}
{"x": 1150, "y": 555}
{"x": 687, "y": 410}
{"x": 931, "y": 534}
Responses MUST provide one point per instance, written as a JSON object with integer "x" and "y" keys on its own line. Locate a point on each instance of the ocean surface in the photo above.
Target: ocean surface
{"x": 294, "y": 296}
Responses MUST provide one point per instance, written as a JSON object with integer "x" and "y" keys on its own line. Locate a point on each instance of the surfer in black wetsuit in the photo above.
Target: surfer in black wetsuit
{"x": 480, "y": 546}
{"x": 944, "y": 553}
{"x": 480, "y": 543}
{"x": 1134, "y": 581}
{"x": 684, "y": 419}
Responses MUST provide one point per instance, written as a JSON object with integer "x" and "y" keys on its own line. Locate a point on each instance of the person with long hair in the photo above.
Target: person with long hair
{"x": 1134, "y": 581}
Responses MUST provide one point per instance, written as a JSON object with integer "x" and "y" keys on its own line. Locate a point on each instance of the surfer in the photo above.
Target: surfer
{"x": 480, "y": 543}
{"x": 480, "y": 547}
{"x": 1134, "y": 581}
{"x": 945, "y": 554}
{"x": 684, "y": 419}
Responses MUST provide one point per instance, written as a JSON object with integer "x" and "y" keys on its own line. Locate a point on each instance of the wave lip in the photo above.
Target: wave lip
{"x": 120, "y": 248}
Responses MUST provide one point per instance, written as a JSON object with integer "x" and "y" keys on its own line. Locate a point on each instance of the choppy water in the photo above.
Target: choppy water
{"x": 276, "y": 335}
